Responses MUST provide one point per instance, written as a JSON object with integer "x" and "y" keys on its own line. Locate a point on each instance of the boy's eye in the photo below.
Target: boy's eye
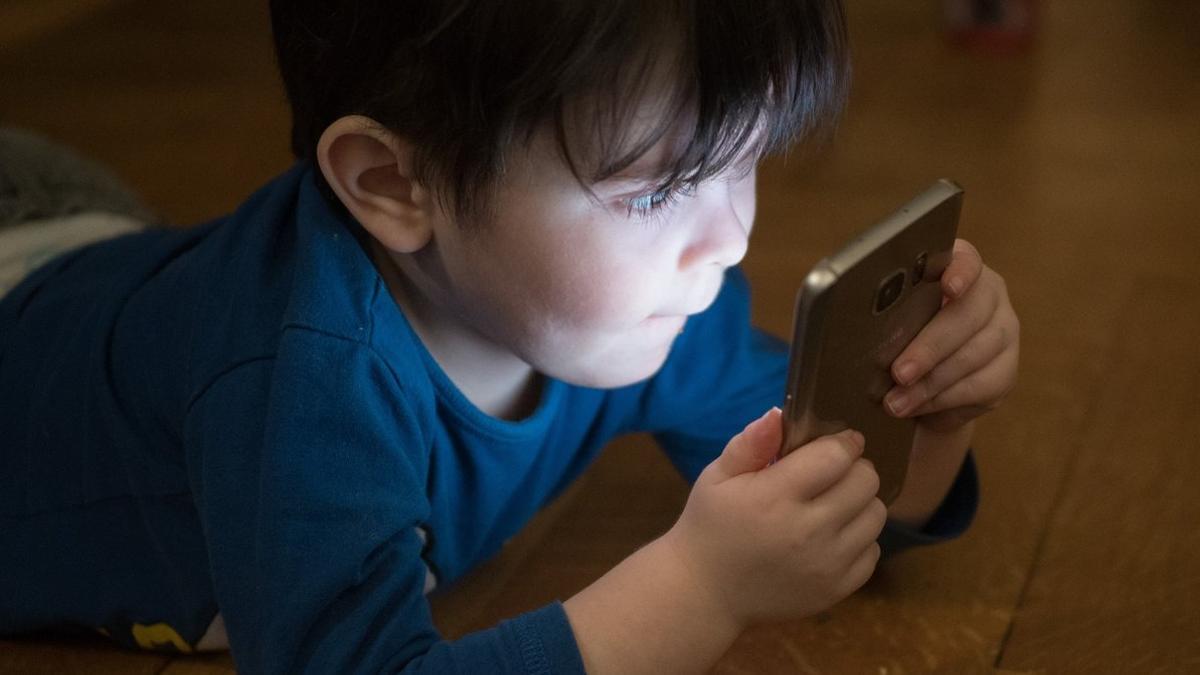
{"x": 651, "y": 201}
{"x": 645, "y": 205}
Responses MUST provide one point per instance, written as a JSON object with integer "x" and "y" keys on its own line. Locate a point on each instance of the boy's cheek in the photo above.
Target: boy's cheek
{"x": 608, "y": 299}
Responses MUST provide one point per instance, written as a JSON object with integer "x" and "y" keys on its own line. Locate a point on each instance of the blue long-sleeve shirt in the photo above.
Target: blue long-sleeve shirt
{"x": 237, "y": 420}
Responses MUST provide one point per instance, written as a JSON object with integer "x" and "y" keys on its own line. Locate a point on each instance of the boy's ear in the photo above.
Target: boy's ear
{"x": 370, "y": 170}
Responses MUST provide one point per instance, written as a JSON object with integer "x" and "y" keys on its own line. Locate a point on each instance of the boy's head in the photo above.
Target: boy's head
{"x": 465, "y": 80}
{"x": 568, "y": 179}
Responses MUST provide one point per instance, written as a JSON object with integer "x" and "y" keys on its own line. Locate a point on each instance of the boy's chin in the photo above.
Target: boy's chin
{"x": 613, "y": 375}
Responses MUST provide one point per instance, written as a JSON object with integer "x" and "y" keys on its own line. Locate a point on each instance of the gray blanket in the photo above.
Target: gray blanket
{"x": 40, "y": 179}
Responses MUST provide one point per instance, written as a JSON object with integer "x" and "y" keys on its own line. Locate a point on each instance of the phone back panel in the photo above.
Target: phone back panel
{"x": 843, "y": 344}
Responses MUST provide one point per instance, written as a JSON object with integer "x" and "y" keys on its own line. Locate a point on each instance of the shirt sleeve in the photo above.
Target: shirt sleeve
{"x": 308, "y": 472}
{"x": 723, "y": 374}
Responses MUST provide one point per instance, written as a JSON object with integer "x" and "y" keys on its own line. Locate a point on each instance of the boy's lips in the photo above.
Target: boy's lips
{"x": 682, "y": 316}
{"x": 695, "y": 308}
{"x": 685, "y": 313}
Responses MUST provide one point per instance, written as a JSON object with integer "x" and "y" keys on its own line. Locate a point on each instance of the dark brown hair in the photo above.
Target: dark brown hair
{"x": 465, "y": 79}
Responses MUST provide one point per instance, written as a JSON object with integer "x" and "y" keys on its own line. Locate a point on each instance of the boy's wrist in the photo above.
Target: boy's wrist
{"x": 937, "y": 458}
{"x": 651, "y": 593}
{"x": 710, "y": 599}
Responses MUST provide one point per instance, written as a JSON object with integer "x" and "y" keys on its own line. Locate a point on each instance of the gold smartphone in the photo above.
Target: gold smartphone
{"x": 856, "y": 311}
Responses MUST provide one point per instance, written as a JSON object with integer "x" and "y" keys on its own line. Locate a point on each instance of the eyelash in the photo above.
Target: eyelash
{"x": 647, "y": 206}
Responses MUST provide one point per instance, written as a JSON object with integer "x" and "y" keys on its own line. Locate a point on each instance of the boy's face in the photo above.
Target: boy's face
{"x": 590, "y": 290}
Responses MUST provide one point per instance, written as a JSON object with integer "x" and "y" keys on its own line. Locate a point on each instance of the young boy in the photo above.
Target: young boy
{"x": 511, "y": 235}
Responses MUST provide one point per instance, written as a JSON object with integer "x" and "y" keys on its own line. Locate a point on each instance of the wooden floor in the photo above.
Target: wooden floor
{"x": 1081, "y": 160}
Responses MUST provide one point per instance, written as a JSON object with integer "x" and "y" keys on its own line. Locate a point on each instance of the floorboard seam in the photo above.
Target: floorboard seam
{"x": 1055, "y": 504}
{"x": 1039, "y": 548}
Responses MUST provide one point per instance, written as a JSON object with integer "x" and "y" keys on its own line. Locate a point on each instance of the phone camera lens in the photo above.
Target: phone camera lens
{"x": 919, "y": 268}
{"x": 889, "y": 291}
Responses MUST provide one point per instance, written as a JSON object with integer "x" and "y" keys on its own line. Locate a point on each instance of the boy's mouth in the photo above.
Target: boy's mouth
{"x": 708, "y": 298}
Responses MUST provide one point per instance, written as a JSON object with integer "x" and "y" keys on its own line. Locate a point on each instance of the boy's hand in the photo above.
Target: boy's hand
{"x": 964, "y": 362}
{"x": 784, "y": 540}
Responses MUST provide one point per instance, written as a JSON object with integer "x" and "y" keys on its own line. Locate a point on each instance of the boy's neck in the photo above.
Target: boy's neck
{"x": 493, "y": 379}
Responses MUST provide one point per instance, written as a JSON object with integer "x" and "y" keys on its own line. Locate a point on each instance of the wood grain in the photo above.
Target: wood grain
{"x": 1081, "y": 160}
{"x": 1116, "y": 579}
{"x": 52, "y": 655}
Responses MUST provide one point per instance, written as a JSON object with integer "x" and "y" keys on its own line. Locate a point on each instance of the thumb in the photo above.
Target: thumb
{"x": 753, "y": 448}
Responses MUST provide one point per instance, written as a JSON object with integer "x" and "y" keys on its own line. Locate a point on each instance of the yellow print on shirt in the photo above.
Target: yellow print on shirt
{"x": 150, "y": 637}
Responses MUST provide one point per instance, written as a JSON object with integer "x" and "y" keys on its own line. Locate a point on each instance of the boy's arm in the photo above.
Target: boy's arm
{"x": 757, "y": 541}
{"x": 309, "y": 493}
{"x": 649, "y": 615}
{"x": 961, "y": 365}
{"x": 936, "y": 461}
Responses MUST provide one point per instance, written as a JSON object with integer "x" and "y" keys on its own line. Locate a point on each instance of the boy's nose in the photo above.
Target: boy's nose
{"x": 720, "y": 236}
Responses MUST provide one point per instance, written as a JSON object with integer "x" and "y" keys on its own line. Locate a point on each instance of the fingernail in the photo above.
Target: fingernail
{"x": 906, "y": 371}
{"x": 858, "y": 438}
{"x": 897, "y": 403}
{"x": 955, "y": 285}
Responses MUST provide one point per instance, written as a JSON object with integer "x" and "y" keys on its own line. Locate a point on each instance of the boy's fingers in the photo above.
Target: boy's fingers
{"x": 964, "y": 269}
{"x": 754, "y": 447}
{"x": 865, "y": 526}
{"x": 981, "y": 391}
{"x": 846, "y": 499}
{"x": 949, "y": 330}
{"x": 812, "y": 468}
{"x": 861, "y": 569}
{"x": 980, "y": 350}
